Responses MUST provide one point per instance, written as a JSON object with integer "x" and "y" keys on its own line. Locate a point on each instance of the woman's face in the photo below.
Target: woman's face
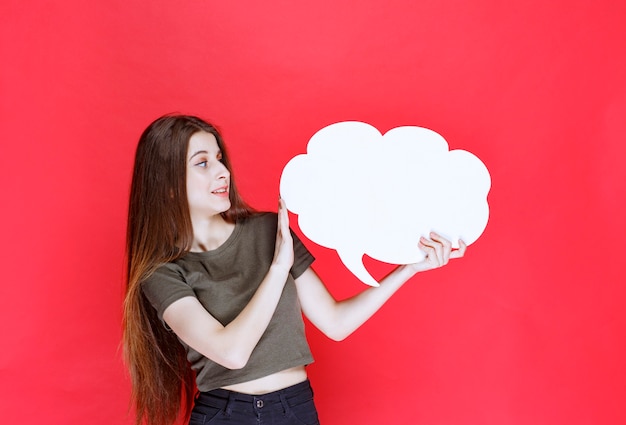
{"x": 208, "y": 180}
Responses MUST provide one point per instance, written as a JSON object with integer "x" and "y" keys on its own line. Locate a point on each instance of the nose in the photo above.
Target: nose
{"x": 221, "y": 172}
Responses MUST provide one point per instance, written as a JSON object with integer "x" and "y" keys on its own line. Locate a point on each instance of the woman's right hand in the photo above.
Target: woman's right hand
{"x": 283, "y": 251}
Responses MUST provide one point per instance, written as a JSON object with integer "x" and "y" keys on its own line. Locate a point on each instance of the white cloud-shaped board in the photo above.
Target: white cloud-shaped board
{"x": 359, "y": 192}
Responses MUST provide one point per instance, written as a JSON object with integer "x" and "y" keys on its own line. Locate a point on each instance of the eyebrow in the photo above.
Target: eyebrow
{"x": 197, "y": 153}
{"x": 219, "y": 152}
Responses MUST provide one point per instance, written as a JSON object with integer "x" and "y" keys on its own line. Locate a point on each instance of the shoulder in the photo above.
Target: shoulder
{"x": 166, "y": 285}
{"x": 166, "y": 272}
{"x": 263, "y": 216}
{"x": 257, "y": 230}
{"x": 261, "y": 220}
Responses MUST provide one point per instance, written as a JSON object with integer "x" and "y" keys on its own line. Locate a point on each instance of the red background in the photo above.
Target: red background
{"x": 529, "y": 328}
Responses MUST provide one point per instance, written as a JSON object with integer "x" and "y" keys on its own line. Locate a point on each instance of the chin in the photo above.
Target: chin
{"x": 226, "y": 208}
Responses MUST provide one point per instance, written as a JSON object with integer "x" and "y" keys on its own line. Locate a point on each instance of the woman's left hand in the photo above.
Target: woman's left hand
{"x": 438, "y": 252}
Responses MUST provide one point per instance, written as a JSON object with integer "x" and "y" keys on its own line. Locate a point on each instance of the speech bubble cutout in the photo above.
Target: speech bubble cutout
{"x": 359, "y": 192}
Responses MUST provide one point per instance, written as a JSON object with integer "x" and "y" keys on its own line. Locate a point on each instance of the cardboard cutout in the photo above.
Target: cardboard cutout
{"x": 359, "y": 192}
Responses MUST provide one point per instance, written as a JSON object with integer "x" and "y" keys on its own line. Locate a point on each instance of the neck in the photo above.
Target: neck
{"x": 210, "y": 233}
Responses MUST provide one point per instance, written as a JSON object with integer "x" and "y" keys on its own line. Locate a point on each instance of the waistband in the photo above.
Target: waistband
{"x": 227, "y": 399}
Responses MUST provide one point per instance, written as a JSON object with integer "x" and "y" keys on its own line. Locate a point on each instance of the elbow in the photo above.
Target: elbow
{"x": 232, "y": 364}
{"x": 337, "y": 334}
{"x": 335, "y": 328}
{"x": 337, "y": 338}
{"x": 232, "y": 360}
{"x": 236, "y": 365}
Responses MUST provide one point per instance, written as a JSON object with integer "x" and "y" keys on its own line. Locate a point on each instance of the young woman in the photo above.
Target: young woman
{"x": 215, "y": 291}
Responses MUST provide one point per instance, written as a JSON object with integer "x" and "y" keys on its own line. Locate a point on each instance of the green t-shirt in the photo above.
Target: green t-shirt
{"x": 224, "y": 280}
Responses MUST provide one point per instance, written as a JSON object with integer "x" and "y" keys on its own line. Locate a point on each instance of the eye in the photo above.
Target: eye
{"x": 202, "y": 164}
{"x": 220, "y": 157}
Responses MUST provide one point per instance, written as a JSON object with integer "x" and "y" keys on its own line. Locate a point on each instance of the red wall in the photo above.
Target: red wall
{"x": 529, "y": 328}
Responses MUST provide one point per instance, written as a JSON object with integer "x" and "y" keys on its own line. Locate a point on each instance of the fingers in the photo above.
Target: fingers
{"x": 283, "y": 219}
{"x": 439, "y": 249}
{"x": 283, "y": 251}
{"x": 444, "y": 247}
{"x": 459, "y": 252}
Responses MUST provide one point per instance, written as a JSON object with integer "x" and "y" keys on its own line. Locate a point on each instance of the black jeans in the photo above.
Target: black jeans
{"x": 289, "y": 406}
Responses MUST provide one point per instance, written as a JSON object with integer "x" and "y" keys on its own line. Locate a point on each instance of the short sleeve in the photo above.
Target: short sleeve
{"x": 166, "y": 285}
{"x": 302, "y": 257}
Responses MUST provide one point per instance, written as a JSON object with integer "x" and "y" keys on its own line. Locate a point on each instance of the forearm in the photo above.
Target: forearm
{"x": 240, "y": 337}
{"x": 230, "y": 345}
{"x": 337, "y": 320}
{"x": 351, "y": 313}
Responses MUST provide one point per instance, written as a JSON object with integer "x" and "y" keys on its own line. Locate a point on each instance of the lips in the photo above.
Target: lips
{"x": 221, "y": 191}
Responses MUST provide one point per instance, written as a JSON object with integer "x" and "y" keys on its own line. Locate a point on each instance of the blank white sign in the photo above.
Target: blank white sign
{"x": 359, "y": 192}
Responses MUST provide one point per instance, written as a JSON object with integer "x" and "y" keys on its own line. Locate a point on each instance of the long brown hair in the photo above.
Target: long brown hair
{"x": 159, "y": 231}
